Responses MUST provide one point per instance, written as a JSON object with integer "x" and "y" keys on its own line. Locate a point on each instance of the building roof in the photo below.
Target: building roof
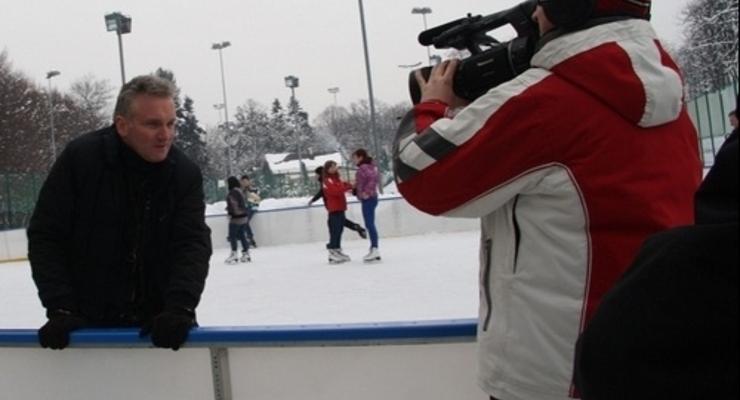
{"x": 278, "y": 164}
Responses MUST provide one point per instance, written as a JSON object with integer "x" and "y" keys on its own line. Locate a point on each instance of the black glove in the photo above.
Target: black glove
{"x": 170, "y": 328}
{"x": 55, "y": 332}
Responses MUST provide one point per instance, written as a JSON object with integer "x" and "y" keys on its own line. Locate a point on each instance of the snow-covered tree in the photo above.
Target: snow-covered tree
{"x": 709, "y": 54}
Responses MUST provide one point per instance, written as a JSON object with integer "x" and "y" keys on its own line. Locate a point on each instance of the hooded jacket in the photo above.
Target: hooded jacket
{"x": 570, "y": 166}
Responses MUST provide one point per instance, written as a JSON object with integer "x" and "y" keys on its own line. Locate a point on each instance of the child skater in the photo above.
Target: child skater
{"x": 336, "y": 204}
{"x": 366, "y": 187}
{"x": 349, "y": 224}
{"x": 238, "y": 219}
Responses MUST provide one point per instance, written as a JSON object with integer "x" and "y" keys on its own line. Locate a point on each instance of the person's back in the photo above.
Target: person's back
{"x": 570, "y": 166}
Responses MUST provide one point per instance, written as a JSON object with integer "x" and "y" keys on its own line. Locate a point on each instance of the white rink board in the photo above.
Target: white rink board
{"x": 105, "y": 374}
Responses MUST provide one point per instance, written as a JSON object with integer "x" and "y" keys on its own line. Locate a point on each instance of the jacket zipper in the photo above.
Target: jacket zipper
{"x": 517, "y": 234}
{"x": 487, "y": 283}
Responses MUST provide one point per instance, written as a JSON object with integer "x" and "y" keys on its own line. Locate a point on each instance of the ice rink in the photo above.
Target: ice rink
{"x": 423, "y": 277}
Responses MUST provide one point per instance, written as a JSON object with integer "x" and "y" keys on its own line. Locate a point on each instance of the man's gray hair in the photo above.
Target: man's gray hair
{"x": 151, "y": 85}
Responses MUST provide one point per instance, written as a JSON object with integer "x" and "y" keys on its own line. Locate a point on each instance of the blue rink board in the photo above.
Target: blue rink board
{"x": 288, "y": 335}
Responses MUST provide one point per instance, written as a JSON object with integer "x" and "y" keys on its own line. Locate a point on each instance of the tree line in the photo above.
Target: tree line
{"x": 707, "y": 56}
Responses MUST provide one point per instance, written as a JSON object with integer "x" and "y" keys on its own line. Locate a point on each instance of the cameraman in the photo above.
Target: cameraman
{"x": 570, "y": 166}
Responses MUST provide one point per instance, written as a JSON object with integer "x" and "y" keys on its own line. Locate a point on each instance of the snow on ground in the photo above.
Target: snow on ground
{"x": 423, "y": 277}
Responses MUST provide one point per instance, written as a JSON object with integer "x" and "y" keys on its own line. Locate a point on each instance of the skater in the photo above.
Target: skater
{"x": 253, "y": 199}
{"x": 366, "y": 189}
{"x": 349, "y": 224}
{"x": 565, "y": 194}
{"x": 118, "y": 237}
{"x": 238, "y": 219}
{"x": 336, "y": 204}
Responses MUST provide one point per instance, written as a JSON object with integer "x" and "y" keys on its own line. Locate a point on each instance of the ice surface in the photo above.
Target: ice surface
{"x": 423, "y": 277}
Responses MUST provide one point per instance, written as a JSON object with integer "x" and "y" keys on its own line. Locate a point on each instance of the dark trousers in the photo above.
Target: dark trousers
{"x": 352, "y": 225}
{"x": 248, "y": 227}
{"x": 238, "y": 233}
{"x": 336, "y": 227}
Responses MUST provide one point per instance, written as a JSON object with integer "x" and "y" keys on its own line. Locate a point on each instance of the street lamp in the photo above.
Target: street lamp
{"x": 121, "y": 24}
{"x": 292, "y": 82}
{"x": 224, "y": 105}
{"x": 50, "y": 75}
{"x": 424, "y": 11}
{"x": 334, "y": 91}
{"x": 218, "y": 107}
{"x": 369, "y": 85}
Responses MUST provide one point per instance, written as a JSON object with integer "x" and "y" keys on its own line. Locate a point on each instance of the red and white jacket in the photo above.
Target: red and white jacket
{"x": 570, "y": 166}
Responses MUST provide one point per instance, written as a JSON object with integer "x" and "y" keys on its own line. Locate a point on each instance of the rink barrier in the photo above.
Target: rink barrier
{"x": 219, "y": 340}
{"x": 296, "y": 225}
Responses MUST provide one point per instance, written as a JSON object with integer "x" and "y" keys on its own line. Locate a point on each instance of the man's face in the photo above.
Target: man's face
{"x": 245, "y": 183}
{"x": 733, "y": 120}
{"x": 150, "y": 128}
{"x": 542, "y": 21}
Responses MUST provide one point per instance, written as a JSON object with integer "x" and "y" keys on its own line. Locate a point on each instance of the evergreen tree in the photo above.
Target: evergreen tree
{"x": 190, "y": 135}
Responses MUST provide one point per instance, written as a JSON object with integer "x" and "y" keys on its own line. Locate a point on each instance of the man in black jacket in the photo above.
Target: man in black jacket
{"x": 118, "y": 237}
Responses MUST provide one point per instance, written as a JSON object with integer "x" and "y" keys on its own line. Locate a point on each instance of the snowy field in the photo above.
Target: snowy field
{"x": 423, "y": 277}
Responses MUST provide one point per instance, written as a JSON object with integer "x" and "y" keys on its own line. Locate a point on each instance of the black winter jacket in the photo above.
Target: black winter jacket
{"x": 669, "y": 328}
{"x": 118, "y": 239}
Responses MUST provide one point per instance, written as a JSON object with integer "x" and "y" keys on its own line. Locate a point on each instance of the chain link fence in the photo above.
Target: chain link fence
{"x": 710, "y": 115}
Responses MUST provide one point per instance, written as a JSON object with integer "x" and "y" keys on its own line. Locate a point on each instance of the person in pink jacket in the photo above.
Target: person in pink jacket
{"x": 367, "y": 180}
{"x": 570, "y": 166}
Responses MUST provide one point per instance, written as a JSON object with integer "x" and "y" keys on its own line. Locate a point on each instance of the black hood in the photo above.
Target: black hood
{"x": 716, "y": 200}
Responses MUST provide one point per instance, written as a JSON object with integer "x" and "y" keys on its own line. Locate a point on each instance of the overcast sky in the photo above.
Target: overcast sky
{"x": 319, "y": 41}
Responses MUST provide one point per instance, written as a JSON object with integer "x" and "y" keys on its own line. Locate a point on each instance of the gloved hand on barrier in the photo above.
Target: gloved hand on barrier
{"x": 170, "y": 328}
{"x": 55, "y": 332}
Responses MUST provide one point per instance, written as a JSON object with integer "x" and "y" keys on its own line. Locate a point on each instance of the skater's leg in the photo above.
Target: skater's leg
{"x": 368, "y": 214}
{"x": 243, "y": 237}
{"x": 336, "y": 225}
{"x": 248, "y": 227}
{"x": 233, "y": 236}
{"x": 351, "y": 225}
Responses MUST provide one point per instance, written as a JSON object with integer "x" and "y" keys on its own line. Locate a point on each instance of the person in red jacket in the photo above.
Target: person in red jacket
{"x": 336, "y": 204}
{"x": 570, "y": 166}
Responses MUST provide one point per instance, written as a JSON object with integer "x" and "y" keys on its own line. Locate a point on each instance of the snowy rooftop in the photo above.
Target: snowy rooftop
{"x": 278, "y": 164}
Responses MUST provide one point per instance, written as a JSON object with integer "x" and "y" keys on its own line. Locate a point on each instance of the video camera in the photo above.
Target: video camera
{"x": 491, "y": 62}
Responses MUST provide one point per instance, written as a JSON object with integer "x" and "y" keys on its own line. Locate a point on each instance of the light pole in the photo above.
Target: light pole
{"x": 424, "y": 11}
{"x": 220, "y": 47}
{"x": 218, "y": 107}
{"x": 50, "y": 75}
{"x": 292, "y": 82}
{"x": 121, "y": 24}
{"x": 369, "y": 85}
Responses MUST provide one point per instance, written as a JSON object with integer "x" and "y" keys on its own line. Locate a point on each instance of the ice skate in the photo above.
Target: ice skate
{"x": 337, "y": 257}
{"x": 372, "y": 256}
{"x": 233, "y": 258}
{"x": 245, "y": 257}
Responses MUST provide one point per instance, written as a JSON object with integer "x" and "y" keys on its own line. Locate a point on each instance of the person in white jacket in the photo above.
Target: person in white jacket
{"x": 569, "y": 166}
